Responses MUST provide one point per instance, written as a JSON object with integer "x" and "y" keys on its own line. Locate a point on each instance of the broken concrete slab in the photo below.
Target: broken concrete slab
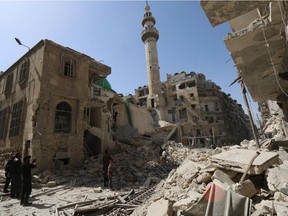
{"x": 238, "y": 160}
{"x": 160, "y": 207}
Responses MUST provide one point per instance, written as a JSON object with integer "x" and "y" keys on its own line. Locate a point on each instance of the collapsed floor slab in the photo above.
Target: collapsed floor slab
{"x": 238, "y": 160}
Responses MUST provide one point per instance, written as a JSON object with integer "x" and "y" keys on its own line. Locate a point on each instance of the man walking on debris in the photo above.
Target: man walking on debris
{"x": 27, "y": 180}
{"x": 14, "y": 171}
{"x": 110, "y": 173}
{"x": 106, "y": 158}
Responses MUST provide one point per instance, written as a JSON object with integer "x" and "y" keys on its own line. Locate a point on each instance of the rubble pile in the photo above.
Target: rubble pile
{"x": 185, "y": 189}
{"x": 193, "y": 182}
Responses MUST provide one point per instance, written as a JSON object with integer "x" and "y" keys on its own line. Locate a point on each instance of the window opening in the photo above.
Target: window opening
{"x": 63, "y": 118}
{"x": 16, "y": 119}
{"x": 24, "y": 71}
{"x": 3, "y": 114}
{"x": 8, "y": 86}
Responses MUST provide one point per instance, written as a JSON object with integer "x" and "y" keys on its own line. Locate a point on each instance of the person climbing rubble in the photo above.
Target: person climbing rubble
{"x": 163, "y": 158}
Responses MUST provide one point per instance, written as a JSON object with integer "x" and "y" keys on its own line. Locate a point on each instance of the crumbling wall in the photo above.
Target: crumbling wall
{"x": 141, "y": 118}
{"x": 274, "y": 127}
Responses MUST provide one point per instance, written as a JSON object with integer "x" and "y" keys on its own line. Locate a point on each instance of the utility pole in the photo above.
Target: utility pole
{"x": 249, "y": 113}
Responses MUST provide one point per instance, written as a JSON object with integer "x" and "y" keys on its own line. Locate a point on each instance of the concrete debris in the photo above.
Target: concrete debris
{"x": 277, "y": 177}
{"x": 238, "y": 159}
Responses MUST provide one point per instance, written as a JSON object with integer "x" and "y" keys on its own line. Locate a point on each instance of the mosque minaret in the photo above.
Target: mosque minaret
{"x": 149, "y": 36}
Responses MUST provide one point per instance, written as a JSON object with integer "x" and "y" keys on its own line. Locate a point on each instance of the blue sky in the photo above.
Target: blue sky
{"x": 110, "y": 31}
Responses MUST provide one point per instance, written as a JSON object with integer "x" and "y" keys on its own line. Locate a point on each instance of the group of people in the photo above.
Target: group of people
{"x": 19, "y": 174}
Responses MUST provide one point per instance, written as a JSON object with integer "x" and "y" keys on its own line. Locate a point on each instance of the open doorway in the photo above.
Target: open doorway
{"x": 92, "y": 144}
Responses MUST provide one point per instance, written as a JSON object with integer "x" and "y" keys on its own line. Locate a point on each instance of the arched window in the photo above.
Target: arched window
{"x": 63, "y": 118}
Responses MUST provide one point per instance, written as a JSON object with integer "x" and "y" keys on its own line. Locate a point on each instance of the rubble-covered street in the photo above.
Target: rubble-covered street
{"x": 186, "y": 185}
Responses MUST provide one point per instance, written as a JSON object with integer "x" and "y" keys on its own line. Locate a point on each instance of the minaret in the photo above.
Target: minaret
{"x": 149, "y": 36}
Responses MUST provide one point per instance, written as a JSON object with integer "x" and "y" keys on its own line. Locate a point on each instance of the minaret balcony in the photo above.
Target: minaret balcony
{"x": 149, "y": 32}
{"x": 148, "y": 18}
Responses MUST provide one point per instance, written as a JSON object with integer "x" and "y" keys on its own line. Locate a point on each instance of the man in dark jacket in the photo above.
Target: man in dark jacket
{"x": 26, "y": 180}
{"x": 15, "y": 174}
{"x": 7, "y": 173}
{"x": 106, "y": 158}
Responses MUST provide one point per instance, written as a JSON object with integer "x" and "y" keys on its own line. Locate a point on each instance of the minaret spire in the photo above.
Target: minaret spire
{"x": 149, "y": 36}
{"x": 147, "y": 7}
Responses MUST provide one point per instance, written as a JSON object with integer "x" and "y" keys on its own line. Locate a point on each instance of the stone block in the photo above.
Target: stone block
{"x": 204, "y": 178}
{"x": 183, "y": 204}
{"x": 246, "y": 188}
{"x": 98, "y": 190}
{"x": 51, "y": 184}
{"x": 223, "y": 177}
{"x": 160, "y": 207}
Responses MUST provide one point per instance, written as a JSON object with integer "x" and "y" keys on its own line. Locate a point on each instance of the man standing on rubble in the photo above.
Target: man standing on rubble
{"x": 106, "y": 158}
{"x": 7, "y": 173}
{"x": 15, "y": 174}
{"x": 26, "y": 179}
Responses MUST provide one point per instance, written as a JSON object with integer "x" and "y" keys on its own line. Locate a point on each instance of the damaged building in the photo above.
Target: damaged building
{"x": 55, "y": 104}
{"x": 204, "y": 113}
{"x": 258, "y": 46}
